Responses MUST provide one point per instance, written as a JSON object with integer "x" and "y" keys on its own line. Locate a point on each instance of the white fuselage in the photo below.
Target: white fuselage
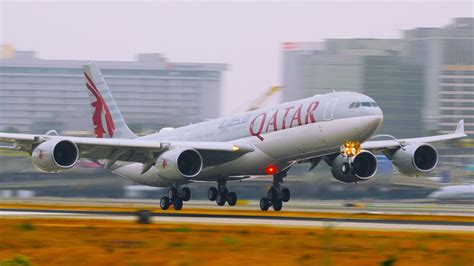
{"x": 307, "y": 128}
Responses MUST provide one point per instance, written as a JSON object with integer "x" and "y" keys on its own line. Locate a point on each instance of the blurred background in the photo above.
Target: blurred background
{"x": 171, "y": 64}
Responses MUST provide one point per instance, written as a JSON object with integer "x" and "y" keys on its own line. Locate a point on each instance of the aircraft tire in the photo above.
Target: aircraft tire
{"x": 212, "y": 193}
{"x": 232, "y": 199}
{"x": 264, "y": 204}
{"x": 186, "y": 194}
{"x": 178, "y": 204}
{"x": 173, "y": 193}
{"x": 277, "y": 204}
{"x": 221, "y": 199}
{"x": 164, "y": 203}
{"x": 285, "y": 195}
{"x": 225, "y": 191}
{"x": 272, "y": 194}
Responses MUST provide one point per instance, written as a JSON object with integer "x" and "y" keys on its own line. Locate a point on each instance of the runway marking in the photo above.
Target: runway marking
{"x": 325, "y": 224}
{"x": 280, "y": 221}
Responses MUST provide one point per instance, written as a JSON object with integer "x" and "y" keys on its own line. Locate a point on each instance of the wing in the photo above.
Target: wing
{"x": 395, "y": 144}
{"x": 128, "y": 150}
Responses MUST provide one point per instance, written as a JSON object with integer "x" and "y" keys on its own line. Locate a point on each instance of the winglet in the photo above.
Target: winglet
{"x": 460, "y": 127}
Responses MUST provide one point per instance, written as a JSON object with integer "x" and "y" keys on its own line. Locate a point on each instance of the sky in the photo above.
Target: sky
{"x": 246, "y": 35}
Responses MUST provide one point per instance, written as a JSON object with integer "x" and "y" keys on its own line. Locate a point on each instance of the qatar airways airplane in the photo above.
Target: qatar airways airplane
{"x": 333, "y": 127}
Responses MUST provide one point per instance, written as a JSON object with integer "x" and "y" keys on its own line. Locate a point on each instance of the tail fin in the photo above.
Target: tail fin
{"x": 106, "y": 117}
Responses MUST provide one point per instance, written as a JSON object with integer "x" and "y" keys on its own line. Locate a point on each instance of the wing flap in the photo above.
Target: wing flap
{"x": 13, "y": 137}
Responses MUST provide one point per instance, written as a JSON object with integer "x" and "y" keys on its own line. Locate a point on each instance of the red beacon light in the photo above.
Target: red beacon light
{"x": 271, "y": 169}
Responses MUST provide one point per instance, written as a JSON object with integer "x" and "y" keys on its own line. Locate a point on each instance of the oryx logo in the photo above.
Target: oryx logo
{"x": 164, "y": 164}
{"x": 101, "y": 111}
{"x": 40, "y": 154}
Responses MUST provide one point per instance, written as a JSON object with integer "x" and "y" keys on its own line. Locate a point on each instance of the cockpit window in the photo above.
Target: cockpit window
{"x": 364, "y": 104}
{"x": 354, "y": 105}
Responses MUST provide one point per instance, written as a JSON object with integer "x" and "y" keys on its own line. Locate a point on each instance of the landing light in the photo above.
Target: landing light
{"x": 271, "y": 169}
{"x": 235, "y": 148}
{"x": 350, "y": 148}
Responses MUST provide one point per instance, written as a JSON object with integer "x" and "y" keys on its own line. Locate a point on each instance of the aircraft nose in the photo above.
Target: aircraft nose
{"x": 372, "y": 124}
{"x": 375, "y": 123}
{"x": 379, "y": 116}
{"x": 378, "y": 111}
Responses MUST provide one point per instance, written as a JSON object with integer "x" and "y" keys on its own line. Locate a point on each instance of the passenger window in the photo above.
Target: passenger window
{"x": 365, "y": 104}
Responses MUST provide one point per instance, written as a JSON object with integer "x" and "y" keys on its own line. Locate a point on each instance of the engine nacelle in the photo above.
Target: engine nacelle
{"x": 415, "y": 159}
{"x": 362, "y": 168}
{"x": 179, "y": 164}
{"x": 55, "y": 155}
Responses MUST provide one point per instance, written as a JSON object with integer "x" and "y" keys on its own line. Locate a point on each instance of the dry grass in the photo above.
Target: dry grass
{"x": 79, "y": 242}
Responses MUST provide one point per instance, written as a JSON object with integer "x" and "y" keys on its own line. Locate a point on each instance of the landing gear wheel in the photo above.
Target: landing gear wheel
{"x": 285, "y": 195}
{"x": 164, "y": 203}
{"x": 264, "y": 204}
{"x": 232, "y": 199}
{"x": 277, "y": 204}
{"x": 212, "y": 193}
{"x": 346, "y": 168}
{"x": 272, "y": 194}
{"x": 178, "y": 204}
{"x": 221, "y": 199}
{"x": 225, "y": 191}
{"x": 172, "y": 193}
{"x": 186, "y": 193}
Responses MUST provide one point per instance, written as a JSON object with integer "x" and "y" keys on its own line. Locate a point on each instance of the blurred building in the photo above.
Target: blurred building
{"x": 424, "y": 81}
{"x": 447, "y": 54}
{"x": 396, "y": 83}
{"x": 448, "y": 57}
{"x": 37, "y": 95}
{"x": 377, "y": 67}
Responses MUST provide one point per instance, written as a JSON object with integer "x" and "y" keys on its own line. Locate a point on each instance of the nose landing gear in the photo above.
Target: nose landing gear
{"x": 349, "y": 150}
{"x": 176, "y": 197}
{"x": 221, "y": 194}
{"x": 346, "y": 168}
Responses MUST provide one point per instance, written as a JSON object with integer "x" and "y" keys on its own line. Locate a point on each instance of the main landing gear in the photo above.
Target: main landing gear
{"x": 176, "y": 197}
{"x": 275, "y": 195}
{"x": 221, "y": 194}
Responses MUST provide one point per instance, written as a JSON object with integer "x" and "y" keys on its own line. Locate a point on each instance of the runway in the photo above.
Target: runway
{"x": 257, "y": 220}
{"x": 411, "y": 207}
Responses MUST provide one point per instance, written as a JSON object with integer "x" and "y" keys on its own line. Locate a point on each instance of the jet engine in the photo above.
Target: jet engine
{"x": 55, "y": 155}
{"x": 363, "y": 167}
{"x": 415, "y": 159}
{"x": 179, "y": 164}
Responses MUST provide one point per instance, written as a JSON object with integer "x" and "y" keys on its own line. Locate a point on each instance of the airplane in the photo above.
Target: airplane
{"x": 454, "y": 193}
{"x": 334, "y": 127}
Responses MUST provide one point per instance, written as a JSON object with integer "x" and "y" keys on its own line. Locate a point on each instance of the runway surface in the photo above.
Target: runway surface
{"x": 413, "y": 207}
{"x": 260, "y": 220}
